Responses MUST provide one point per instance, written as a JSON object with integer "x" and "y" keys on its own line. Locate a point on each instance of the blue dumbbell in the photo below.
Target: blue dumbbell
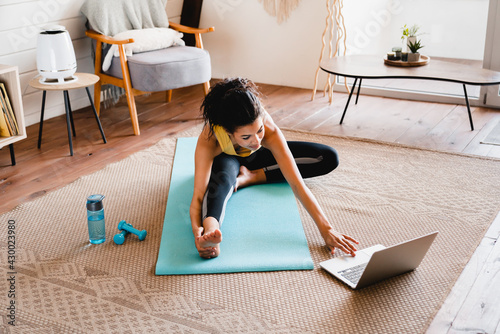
{"x": 120, "y": 237}
{"x": 124, "y": 226}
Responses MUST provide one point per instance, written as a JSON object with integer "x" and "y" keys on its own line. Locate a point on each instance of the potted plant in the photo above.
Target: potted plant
{"x": 410, "y": 34}
{"x": 414, "y": 47}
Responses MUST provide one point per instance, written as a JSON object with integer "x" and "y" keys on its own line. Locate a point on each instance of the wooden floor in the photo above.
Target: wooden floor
{"x": 470, "y": 306}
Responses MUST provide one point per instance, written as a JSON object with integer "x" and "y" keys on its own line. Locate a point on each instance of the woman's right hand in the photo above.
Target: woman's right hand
{"x": 205, "y": 252}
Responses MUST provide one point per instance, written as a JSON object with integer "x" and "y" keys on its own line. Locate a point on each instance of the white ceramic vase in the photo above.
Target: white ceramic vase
{"x": 410, "y": 39}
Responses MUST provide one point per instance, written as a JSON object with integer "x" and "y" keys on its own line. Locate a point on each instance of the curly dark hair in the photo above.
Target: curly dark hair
{"x": 231, "y": 103}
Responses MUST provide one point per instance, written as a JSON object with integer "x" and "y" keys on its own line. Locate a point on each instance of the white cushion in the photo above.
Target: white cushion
{"x": 144, "y": 40}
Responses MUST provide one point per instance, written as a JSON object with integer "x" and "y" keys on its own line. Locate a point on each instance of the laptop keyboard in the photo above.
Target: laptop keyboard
{"x": 354, "y": 273}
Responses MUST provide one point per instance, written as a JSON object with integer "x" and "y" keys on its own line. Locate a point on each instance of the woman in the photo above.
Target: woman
{"x": 239, "y": 146}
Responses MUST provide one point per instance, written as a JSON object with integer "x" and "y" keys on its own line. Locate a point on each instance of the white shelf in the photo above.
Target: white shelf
{"x": 9, "y": 75}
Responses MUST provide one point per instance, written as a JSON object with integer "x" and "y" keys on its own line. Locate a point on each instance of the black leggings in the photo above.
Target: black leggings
{"x": 312, "y": 159}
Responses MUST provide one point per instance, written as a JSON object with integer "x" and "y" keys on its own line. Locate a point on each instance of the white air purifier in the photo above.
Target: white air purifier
{"x": 55, "y": 56}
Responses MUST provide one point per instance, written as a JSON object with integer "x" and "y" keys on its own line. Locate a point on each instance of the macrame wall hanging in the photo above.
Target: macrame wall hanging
{"x": 334, "y": 8}
{"x": 280, "y": 8}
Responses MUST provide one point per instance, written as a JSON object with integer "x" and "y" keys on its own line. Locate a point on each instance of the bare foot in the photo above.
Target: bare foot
{"x": 210, "y": 244}
{"x": 211, "y": 239}
{"x": 247, "y": 177}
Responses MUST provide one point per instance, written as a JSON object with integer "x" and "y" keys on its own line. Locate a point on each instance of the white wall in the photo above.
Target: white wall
{"x": 19, "y": 28}
{"x": 451, "y": 28}
{"x": 20, "y": 22}
{"x": 248, "y": 42}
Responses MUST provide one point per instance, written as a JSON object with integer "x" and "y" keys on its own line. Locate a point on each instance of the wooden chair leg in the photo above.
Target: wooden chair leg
{"x": 97, "y": 97}
{"x": 169, "y": 96}
{"x": 206, "y": 87}
{"x": 128, "y": 91}
{"x": 97, "y": 85}
{"x": 133, "y": 110}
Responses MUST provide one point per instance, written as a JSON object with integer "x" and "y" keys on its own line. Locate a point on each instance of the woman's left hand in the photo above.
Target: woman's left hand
{"x": 345, "y": 243}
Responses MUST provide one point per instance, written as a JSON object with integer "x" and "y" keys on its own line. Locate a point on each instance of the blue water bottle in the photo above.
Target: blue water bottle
{"x": 95, "y": 219}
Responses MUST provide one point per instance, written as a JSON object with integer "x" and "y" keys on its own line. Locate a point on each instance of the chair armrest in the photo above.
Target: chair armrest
{"x": 106, "y": 39}
{"x": 189, "y": 30}
{"x": 100, "y": 38}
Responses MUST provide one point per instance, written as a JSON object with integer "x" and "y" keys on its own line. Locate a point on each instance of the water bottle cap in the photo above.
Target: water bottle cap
{"x": 94, "y": 202}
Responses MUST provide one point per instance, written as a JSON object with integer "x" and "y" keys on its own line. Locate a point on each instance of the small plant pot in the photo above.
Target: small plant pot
{"x": 413, "y": 57}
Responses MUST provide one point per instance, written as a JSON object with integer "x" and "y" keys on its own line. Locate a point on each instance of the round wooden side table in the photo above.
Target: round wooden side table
{"x": 83, "y": 80}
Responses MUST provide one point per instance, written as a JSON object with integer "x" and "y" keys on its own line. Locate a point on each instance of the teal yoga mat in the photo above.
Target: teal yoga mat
{"x": 262, "y": 230}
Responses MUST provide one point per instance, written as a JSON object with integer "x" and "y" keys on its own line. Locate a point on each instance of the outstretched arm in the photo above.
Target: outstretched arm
{"x": 276, "y": 143}
{"x": 206, "y": 150}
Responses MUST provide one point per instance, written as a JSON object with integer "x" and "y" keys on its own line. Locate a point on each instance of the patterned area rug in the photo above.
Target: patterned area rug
{"x": 379, "y": 194}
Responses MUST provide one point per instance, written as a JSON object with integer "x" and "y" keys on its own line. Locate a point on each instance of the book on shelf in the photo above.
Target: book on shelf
{"x": 9, "y": 125}
{"x": 5, "y": 124}
{"x": 4, "y": 129}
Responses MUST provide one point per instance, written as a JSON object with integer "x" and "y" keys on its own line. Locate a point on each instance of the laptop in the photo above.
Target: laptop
{"x": 376, "y": 263}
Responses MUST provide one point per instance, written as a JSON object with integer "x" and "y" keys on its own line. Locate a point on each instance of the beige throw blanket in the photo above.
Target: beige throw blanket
{"x": 114, "y": 16}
